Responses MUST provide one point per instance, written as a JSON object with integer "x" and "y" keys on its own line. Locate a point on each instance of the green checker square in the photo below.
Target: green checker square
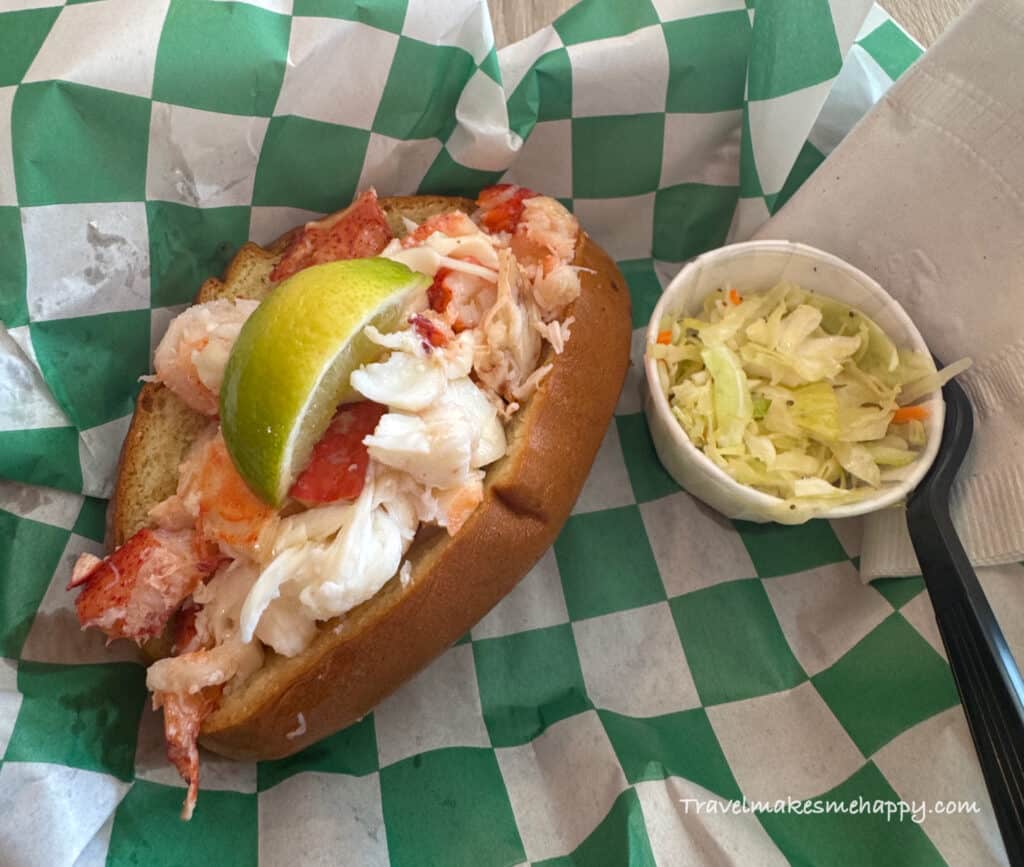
{"x": 13, "y": 305}
{"x": 899, "y": 591}
{"x": 606, "y": 563}
{"x": 29, "y": 553}
{"x": 778, "y": 549}
{"x": 674, "y": 745}
{"x": 446, "y": 176}
{"x": 528, "y": 681}
{"x": 385, "y": 14}
{"x": 43, "y": 456}
{"x": 733, "y": 643}
{"x": 750, "y": 181}
{"x": 552, "y": 77}
{"x": 94, "y": 377}
{"x": 620, "y": 838}
{"x": 74, "y": 143}
{"x": 92, "y": 519}
{"x": 147, "y": 831}
{"x": 601, "y": 19}
{"x": 337, "y": 151}
{"x": 523, "y": 105}
{"x": 691, "y": 218}
{"x": 644, "y": 288}
{"x": 21, "y": 35}
{"x": 708, "y": 57}
{"x": 187, "y": 245}
{"x": 227, "y": 57}
{"x": 423, "y": 88}
{"x": 891, "y": 48}
{"x": 892, "y": 668}
{"x": 449, "y": 807}
{"x": 649, "y": 479}
{"x": 598, "y": 147}
{"x": 851, "y": 839}
{"x": 85, "y": 716}
{"x": 807, "y": 161}
{"x": 794, "y": 46}
{"x": 490, "y": 66}
{"x": 352, "y": 751}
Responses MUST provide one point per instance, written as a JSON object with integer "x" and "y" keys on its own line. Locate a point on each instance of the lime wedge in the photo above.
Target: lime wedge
{"x": 290, "y": 367}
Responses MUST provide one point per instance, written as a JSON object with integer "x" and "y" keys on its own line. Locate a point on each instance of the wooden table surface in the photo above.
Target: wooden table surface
{"x": 922, "y": 19}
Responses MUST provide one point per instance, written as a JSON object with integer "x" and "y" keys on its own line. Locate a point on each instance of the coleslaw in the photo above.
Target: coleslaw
{"x": 796, "y": 394}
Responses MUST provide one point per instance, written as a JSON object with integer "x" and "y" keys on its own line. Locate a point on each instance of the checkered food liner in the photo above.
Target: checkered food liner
{"x": 658, "y": 659}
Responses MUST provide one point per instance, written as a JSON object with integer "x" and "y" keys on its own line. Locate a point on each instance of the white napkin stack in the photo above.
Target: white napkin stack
{"x": 926, "y": 194}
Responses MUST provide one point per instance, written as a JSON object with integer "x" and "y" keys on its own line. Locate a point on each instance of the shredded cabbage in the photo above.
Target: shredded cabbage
{"x": 797, "y": 395}
{"x": 733, "y": 408}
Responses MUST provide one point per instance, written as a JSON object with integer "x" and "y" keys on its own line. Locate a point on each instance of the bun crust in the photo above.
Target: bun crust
{"x": 358, "y": 659}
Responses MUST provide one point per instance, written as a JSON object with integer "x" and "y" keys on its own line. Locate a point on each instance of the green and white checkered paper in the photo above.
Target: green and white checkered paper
{"x": 657, "y": 653}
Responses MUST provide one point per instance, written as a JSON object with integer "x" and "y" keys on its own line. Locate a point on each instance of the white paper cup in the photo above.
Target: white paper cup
{"x": 757, "y": 266}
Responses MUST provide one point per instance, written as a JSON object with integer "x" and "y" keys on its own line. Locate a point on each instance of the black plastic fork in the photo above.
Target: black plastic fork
{"x": 986, "y": 675}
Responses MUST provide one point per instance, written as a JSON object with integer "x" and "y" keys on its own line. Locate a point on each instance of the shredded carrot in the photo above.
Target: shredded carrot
{"x": 664, "y": 337}
{"x": 734, "y": 297}
{"x": 910, "y": 413}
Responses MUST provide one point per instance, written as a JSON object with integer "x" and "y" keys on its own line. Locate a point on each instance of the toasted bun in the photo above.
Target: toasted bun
{"x": 358, "y": 659}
